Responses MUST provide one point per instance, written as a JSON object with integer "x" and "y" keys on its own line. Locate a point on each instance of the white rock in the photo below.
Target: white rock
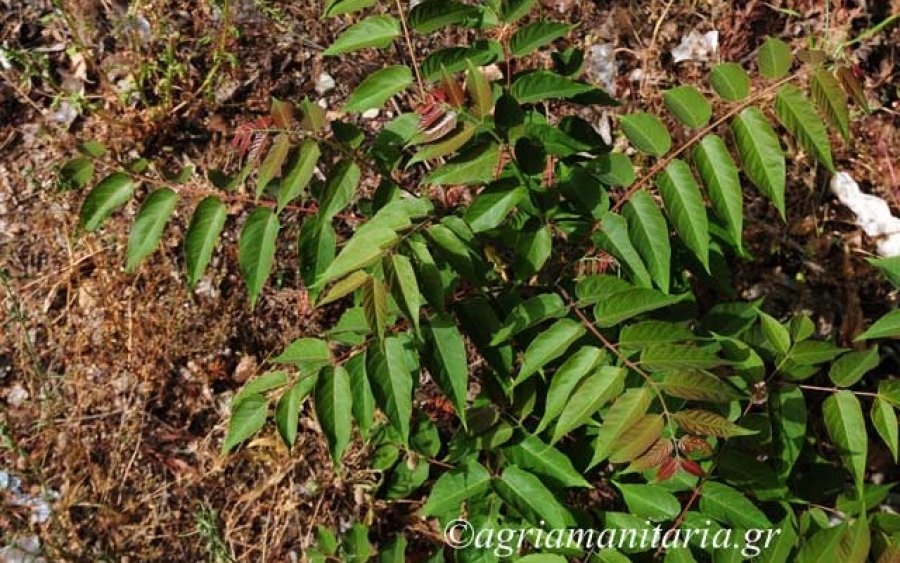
{"x": 697, "y": 46}
{"x": 602, "y": 65}
{"x": 873, "y": 214}
{"x": 324, "y": 84}
{"x": 370, "y": 113}
{"x": 17, "y": 395}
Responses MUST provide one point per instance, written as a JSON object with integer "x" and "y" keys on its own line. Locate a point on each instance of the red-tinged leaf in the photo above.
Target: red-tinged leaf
{"x": 453, "y": 89}
{"x": 667, "y": 469}
{"x": 692, "y": 467}
{"x": 657, "y": 454}
{"x": 282, "y": 113}
{"x": 689, "y": 444}
{"x": 852, "y": 86}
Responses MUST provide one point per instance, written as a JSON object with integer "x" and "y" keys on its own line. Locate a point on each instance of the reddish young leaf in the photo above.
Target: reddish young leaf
{"x": 667, "y": 469}
{"x": 692, "y": 467}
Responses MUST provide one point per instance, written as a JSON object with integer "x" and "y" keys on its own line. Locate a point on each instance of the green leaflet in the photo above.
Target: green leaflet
{"x": 625, "y": 411}
{"x": 544, "y": 460}
{"x": 546, "y": 85}
{"x": 729, "y": 506}
{"x": 288, "y": 409}
{"x": 852, "y": 366}
{"x": 688, "y": 105}
{"x": 271, "y": 166}
{"x": 445, "y": 356}
{"x": 316, "y": 244}
{"x": 549, "y": 345}
{"x": 359, "y": 252}
{"x": 112, "y": 192}
{"x": 529, "y": 313}
{"x": 375, "y": 305}
{"x": 720, "y": 176}
{"x": 613, "y": 237}
{"x": 300, "y": 173}
{"x": 511, "y": 10}
{"x": 480, "y": 52}
{"x": 374, "y": 31}
{"x": 392, "y": 382}
{"x": 887, "y": 326}
{"x": 684, "y": 203}
{"x": 362, "y": 397}
{"x": 308, "y": 354}
{"x": 761, "y": 153}
{"x": 256, "y": 249}
{"x": 652, "y": 502}
{"x": 448, "y": 145}
{"x": 650, "y": 234}
{"x": 730, "y": 81}
{"x": 334, "y": 409}
{"x": 402, "y": 282}
{"x": 884, "y": 419}
{"x": 569, "y": 374}
{"x": 479, "y": 90}
{"x": 455, "y": 486}
{"x": 665, "y": 356}
{"x": 529, "y": 38}
{"x": 378, "y": 87}
{"x": 530, "y": 498}
{"x": 698, "y": 386}
{"x": 647, "y": 133}
{"x": 339, "y": 189}
{"x": 831, "y": 100}
{"x": 591, "y": 393}
{"x": 338, "y": 7}
{"x": 774, "y": 58}
{"x": 149, "y": 224}
{"x": 613, "y": 169}
{"x": 247, "y": 418}
{"x": 432, "y": 15}
{"x": 623, "y": 305}
{"x": 475, "y": 165}
{"x": 798, "y": 116}
{"x": 698, "y": 421}
{"x": 493, "y": 204}
{"x": 847, "y": 428}
{"x": 787, "y": 408}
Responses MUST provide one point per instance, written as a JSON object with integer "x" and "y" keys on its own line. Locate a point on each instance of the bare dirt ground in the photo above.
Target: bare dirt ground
{"x": 114, "y": 387}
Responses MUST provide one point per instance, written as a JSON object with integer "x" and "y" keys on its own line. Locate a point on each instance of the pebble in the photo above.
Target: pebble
{"x": 324, "y": 84}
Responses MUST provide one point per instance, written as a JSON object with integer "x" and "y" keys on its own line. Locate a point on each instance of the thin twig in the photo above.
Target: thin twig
{"x": 412, "y": 52}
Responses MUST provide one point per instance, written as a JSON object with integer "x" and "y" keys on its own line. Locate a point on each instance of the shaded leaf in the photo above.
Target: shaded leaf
{"x": 729, "y": 506}
{"x": 454, "y": 487}
{"x": 569, "y": 374}
{"x": 544, "y": 460}
{"x": 699, "y": 386}
{"x": 298, "y": 177}
{"x": 847, "y": 428}
{"x": 630, "y": 303}
{"x": 392, "y": 382}
{"x": 546, "y": 85}
{"x": 445, "y": 356}
{"x": 475, "y": 165}
{"x": 529, "y": 497}
{"x": 887, "y": 326}
{"x": 884, "y": 419}
{"x": 625, "y": 411}
{"x": 613, "y": 237}
{"x": 432, "y": 15}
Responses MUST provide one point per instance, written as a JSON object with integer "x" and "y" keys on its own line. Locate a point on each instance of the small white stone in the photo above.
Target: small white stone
{"x": 696, "y": 46}
{"x": 324, "y": 84}
{"x": 17, "y": 395}
{"x": 370, "y": 113}
{"x": 873, "y": 214}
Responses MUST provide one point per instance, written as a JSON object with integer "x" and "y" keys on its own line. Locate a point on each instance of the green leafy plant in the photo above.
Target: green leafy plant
{"x": 568, "y": 279}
